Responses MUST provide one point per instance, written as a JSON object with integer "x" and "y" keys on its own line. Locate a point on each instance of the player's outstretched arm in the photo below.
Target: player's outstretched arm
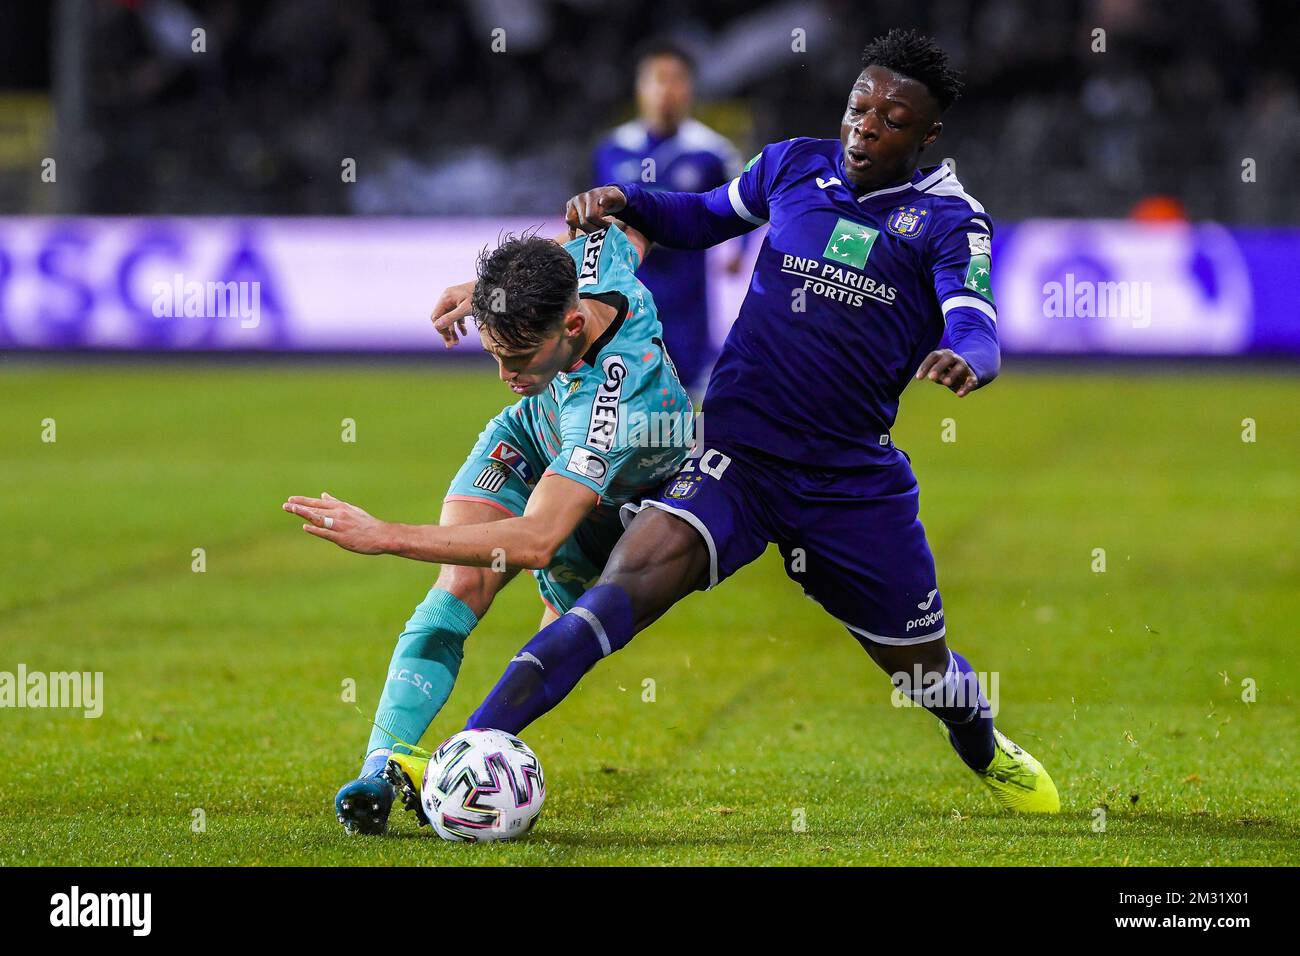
{"x": 640, "y": 242}
{"x": 530, "y": 541}
{"x": 678, "y": 220}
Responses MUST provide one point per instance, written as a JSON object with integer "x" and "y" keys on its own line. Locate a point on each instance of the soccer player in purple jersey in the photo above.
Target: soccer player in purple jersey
{"x": 874, "y": 271}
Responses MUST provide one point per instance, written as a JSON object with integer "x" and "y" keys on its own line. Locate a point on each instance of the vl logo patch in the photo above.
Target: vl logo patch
{"x": 850, "y": 243}
{"x": 513, "y": 458}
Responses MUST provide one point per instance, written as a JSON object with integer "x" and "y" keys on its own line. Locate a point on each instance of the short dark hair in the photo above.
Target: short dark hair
{"x": 661, "y": 46}
{"x": 917, "y": 57}
{"x": 525, "y": 286}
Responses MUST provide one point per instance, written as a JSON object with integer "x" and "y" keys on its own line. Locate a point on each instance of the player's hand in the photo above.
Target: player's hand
{"x": 450, "y": 312}
{"x": 347, "y": 526}
{"x": 950, "y": 370}
{"x": 592, "y": 210}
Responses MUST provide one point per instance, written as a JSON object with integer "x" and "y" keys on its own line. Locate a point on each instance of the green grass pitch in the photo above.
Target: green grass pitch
{"x": 224, "y": 689}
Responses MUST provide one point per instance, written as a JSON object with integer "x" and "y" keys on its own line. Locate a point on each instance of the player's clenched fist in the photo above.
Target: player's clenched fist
{"x": 592, "y": 210}
{"x": 950, "y": 370}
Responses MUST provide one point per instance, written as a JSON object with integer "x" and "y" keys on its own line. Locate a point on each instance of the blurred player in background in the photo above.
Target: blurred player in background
{"x": 665, "y": 148}
{"x": 578, "y": 339}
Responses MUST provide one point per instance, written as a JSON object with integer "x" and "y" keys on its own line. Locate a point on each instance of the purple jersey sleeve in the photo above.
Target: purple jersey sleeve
{"x": 700, "y": 220}
{"x": 961, "y": 262}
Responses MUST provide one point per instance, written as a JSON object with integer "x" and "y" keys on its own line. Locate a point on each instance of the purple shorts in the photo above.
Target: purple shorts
{"x": 850, "y": 538}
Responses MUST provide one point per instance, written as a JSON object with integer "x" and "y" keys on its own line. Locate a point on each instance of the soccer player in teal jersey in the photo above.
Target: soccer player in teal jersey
{"x": 601, "y": 420}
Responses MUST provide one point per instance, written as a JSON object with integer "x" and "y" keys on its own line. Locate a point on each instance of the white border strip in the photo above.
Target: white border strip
{"x": 596, "y": 626}
{"x": 884, "y": 192}
{"x": 942, "y": 172}
{"x": 897, "y": 641}
{"x": 690, "y": 519}
{"x": 968, "y": 302}
{"x": 738, "y": 204}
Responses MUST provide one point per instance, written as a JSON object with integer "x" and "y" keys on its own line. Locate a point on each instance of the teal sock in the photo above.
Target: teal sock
{"x": 423, "y": 669}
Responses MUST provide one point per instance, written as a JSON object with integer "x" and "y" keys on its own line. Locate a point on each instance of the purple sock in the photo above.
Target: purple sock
{"x": 959, "y": 702}
{"x": 551, "y": 664}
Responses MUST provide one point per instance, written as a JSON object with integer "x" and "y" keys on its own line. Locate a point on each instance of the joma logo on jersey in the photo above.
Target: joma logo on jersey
{"x": 603, "y": 424}
{"x": 590, "y": 271}
{"x": 850, "y": 243}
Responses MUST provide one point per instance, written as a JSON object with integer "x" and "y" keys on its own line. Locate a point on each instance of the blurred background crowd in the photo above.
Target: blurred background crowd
{"x": 440, "y": 122}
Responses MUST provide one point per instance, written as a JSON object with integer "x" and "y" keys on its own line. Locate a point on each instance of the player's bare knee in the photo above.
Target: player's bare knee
{"x": 929, "y": 658}
{"x": 659, "y": 560}
{"x": 474, "y": 587}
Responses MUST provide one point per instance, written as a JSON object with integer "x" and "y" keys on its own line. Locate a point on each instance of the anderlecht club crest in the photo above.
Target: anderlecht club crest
{"x": 907, "y": 222}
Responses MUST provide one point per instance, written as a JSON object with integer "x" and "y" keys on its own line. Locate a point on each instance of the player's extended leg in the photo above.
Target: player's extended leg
{"x": 954, "y": 695}
{"x": 949, "y": 688}
{"x": 429, "y": 650}
{"x": 422, "y": 671}
{"x": 865, "y": 558}
{"x": 963, "y": 710}
{"x": 658, "y": 561}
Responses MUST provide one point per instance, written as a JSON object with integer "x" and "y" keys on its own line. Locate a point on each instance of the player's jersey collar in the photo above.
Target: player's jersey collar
{"x": 921, "y": 180}
{"x": 615, "y": 300}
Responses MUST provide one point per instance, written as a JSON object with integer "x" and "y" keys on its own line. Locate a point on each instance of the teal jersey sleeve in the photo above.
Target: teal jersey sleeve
{"x": 624, "y": 419}
{"x": 607, "y": 261}
{"x": 624, "y": 428}
{"x": 593, "y": 426}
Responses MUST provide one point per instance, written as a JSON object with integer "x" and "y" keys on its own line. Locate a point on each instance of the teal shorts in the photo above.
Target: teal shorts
{"x": 501, "y": 471}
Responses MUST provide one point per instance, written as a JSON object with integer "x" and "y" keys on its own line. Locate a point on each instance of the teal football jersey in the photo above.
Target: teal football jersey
{"x": 619, "y": 421}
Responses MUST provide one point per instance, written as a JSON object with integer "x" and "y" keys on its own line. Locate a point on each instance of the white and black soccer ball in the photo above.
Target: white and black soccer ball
{"x": 482, "y": 785}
